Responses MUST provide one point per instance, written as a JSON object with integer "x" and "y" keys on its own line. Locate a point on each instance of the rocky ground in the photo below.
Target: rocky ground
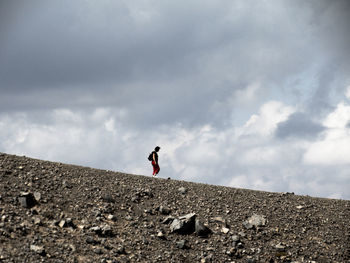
{"x": 53, "y": 212}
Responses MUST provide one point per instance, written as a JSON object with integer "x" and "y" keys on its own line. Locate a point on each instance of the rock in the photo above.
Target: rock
{"x": 280, "y": 248}
{"x": 184, "y": 224}
{"x": 247, "y": 225}
{"x": 90, "y": 240}
{"x": 254, "y": 221}
{"x": 164, "y": 210}
{"x": 37, "y": 196}
{"x": 242, "y": 234}
{"x": 103, "y": 231}
{"x": 235, "y": 238}
{"x": 96, "y": 229}
{"x": 98, "y": 251}
{"x": 112, "y": 218}
{"x": 225, "y": 230}
{"x": 27, "y": 200}
{"x": 231, "y": 252}
{"x": 219, "y": 219}
{"x": 182, "y": 190}
{"x": 182, "y": 244}
{"x": 207, "y": 259}
{"x": 38, "y": 249}
{"x": 107, "y": 231}
{"x": 62, "y": 223}
{"x": 135, "y": 199}
{"x": 168, "y": 220}
{"x": 120, "y": 250}
{"x": 160, "y": 234}
{"x": 68, "y": 222}
{"x": 37, "y": 221}
{"x": 108, "y": 198}
{"x": 201, "y": 230}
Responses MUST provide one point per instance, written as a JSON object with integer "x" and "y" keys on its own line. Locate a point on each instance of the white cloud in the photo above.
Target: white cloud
{"x": 347, "y": 93}
{"x": 334, "y": 147}
{"x": 339, "y": 118}
{"x": 263, "y": 124}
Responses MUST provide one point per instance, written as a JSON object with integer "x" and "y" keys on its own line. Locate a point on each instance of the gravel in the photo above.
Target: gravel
{"x": 54, "y": 212}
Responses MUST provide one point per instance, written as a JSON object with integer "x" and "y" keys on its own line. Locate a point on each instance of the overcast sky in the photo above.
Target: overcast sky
{"x": 251, "y": 94}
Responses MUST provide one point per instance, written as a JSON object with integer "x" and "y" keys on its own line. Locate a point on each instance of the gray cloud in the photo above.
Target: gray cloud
{"x": 169, "y": 54}
{"x": 299, "y": 125}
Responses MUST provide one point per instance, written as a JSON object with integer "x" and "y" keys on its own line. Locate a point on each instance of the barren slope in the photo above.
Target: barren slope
{"x": 78, "y": 214}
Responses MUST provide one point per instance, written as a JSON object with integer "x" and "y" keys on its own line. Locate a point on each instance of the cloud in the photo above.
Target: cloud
{"x": 158, "y": 59}
{"x": 248, "y": 156}
{"x": 333, "y": 148}
{"x": 299, "y": 125}
{"x": 347, "y": 93}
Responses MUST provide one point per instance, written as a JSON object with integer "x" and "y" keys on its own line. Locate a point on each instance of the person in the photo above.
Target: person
{"x": 155, "y": 163}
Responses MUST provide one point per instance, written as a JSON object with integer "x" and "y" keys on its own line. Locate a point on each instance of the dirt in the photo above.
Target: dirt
{"x": 54, "y": 212}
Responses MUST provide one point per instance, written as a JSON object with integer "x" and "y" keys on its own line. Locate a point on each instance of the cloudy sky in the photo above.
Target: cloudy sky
{"x": 242, "y": 93}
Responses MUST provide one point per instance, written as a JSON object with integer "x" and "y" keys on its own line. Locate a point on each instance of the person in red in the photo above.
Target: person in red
{"x": 155, "y": 164}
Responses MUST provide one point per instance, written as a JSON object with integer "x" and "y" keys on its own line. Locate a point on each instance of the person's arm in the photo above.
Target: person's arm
{"x": 154, "y": 158}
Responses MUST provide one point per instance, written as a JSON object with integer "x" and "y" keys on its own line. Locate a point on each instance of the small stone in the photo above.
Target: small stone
{"x": 106, "y": 230}
{"x": 242, "y": 234}
{"x": 164, "y": 210}
{"x": 182, "y": 190}
{"x": 38, "y": 249}
{"x": 160, "y": 235}
{"x": 231, "y": 252}
{"x": 96, "y": 230}
{"x": 280, "y": 248}
{"x": 225, "y": 230}
{"x": 235, "y": 238}
{"x": 247, "y": 225}
{"x": 98, "y": 251}
{"x": 62, "y": 223}
{"x": 37, "y": 196}
{"x": 219, "y": 219}
{"x": 254, "y": 221}
{"x": 108, "y": 198}
{"x": 182, "y": 244}
{"x": 91, "y": 240}
{"x": 112, "y": 217}
{"x": 37, "y": 221}
{"x": 299, "y": 207}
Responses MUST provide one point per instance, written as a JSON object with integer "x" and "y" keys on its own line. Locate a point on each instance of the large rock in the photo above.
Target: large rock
{"x": 27, "y": 200}
{"x": 184, "y": 224}
{"x": 201, "y": 230}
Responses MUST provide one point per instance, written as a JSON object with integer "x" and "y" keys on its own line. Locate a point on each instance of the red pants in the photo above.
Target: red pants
{"x": 156, "y": 168}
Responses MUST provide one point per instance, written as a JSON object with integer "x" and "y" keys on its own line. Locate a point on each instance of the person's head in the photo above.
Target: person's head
{"x": 157, "y": 149}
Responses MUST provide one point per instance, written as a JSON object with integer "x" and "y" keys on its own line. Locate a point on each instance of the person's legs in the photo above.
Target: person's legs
{"x": 155, "y": 168}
